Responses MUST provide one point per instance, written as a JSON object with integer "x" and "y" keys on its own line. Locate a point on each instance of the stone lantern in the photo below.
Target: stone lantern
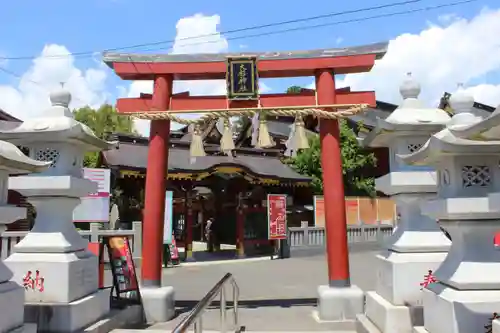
{"x": 12, "y": 162}
{"x": 417, "y": 245}
{"x": 53, "y": 252}
{"x": 466, "y": 154}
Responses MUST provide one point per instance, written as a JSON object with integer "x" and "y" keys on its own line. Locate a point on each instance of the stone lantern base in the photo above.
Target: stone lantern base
{"x": 496, "y": 326}
{"x": 70, "y": 299}
{"x": 11, "y": 303}
{"x": 396, "y": 305}
{"x": 399, "y": 275}
{"x": 448, "y": 310}
{"x": 69, "y": 317}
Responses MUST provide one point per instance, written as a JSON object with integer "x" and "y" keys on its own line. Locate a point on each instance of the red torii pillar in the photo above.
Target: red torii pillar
{"x": 338, "y": 300}
{"x": 333, "y": 186}
{"x": 154, "y": 201}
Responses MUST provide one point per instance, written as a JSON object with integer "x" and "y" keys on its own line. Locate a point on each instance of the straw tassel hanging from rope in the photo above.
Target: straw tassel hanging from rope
{"x": 196, "y": 149}
{"x": 297, "y": 139}
{"x": 300, "y": 140}
{"x": 226, "y": 141}
{"x": 265, "y": 140}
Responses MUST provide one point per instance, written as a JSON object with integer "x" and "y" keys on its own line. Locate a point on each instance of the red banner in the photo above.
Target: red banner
{"x": 96, "y": 248}
{"x": 174, "y": 251}
{"x": 276, "y": 216}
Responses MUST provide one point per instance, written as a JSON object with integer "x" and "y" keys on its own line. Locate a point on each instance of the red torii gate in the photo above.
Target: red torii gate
{"x": 322, "y": 64}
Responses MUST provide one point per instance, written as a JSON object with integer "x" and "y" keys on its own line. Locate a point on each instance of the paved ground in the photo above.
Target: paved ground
{"x": 286, "y": 279}
{"x": 277, "y": 295}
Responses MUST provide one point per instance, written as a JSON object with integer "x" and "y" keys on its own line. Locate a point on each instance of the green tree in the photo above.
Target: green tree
{"x": 293, "y": 90}
{"x": 355, "y": 160}
{"x": 102, "y": 121}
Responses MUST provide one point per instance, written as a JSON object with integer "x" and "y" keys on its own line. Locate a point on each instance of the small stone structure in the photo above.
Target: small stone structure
{"x": 417, "y": 245}
{"x": 466, "y": 155}
{"x": 12, "y": 161}
{"x": 67, "y": 297}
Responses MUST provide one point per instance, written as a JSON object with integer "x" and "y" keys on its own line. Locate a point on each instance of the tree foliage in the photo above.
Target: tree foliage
{"x": 355, "y": 161}
{"x": 102, "y": 121}
{"x": 294, "y": 90}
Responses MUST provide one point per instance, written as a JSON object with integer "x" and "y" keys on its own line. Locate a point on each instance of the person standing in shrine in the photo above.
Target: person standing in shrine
{"x": 209, "y": 234}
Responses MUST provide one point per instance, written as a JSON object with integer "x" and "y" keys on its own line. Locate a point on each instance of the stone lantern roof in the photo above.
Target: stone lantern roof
{"x": 411, "y": 118}
{"x": 57, "y": 125}
{"x": 465, "y": 134}
{"x": 13, "y": 161}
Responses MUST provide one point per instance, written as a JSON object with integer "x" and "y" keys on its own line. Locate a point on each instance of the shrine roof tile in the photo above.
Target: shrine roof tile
{"x": 134, "y": 156}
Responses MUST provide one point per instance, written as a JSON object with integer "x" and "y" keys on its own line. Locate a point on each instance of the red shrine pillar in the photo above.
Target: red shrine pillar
{"x": 154, "y": 205}
{"x": 333, "y": 186}
{"x": 189, "y": 229}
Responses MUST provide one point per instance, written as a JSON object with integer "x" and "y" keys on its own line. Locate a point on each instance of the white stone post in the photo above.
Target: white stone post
{"x": 466, "y": 155}
{"x": 67, "y": 298}
{"x": 417, "y": 244}
{"x": 12, "y": 161}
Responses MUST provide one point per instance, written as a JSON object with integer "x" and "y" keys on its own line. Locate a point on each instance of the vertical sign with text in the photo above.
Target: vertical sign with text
{"x": 168, "y": 217}
{"x": 276, "y": 216}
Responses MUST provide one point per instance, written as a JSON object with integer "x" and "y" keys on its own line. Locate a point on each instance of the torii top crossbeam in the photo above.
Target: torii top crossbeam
{"x": 268, "y": 65}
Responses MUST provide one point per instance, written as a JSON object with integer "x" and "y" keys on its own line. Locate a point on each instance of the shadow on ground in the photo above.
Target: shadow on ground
{"x": 221, "y": 255}
{"x": 186, "y": 306}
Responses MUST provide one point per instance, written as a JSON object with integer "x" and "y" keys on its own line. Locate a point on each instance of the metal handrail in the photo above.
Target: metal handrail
{"x": 195, "y": 316}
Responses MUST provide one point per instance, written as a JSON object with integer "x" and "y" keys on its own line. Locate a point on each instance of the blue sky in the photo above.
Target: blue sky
{"x": 99, "y": 24}
{"x": 440, "y": 46}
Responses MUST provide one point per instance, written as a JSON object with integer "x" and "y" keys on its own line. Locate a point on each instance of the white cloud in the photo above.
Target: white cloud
{"x": 213, "y": 42}
{"x": 185, "y": 43}
{"x": 31, "y": 95}
{"x": 439, "y": 57}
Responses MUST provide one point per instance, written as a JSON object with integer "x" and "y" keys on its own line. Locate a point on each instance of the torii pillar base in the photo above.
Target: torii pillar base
{"x": 159, "y": 303}
{"x": 340, "y": 303}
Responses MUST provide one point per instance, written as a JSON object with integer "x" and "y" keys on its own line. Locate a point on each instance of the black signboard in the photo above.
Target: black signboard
{"x": 123, "y": 268}
{"x": 242, "y": 78}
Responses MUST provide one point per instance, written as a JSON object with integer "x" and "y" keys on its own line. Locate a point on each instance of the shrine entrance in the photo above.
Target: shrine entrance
{"x": 242, "y": 73}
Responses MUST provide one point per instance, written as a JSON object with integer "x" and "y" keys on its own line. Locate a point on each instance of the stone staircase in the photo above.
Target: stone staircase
{"x": 258, "y": 319}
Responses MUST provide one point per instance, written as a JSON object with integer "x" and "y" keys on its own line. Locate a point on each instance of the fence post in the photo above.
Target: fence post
{"x": 94, "y": 232}
{"x": 380, "y": 236}
{"x": 364, "y": 232}
{"x": 137, "y": 249}
{"x": 305, "y": 232}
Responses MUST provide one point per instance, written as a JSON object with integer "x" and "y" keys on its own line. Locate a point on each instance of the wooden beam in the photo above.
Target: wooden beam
{"x": 267, "y": 68}
{"x": 182, "y": 101}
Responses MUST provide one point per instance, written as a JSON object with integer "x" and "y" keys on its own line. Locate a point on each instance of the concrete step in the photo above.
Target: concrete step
{"x": 295, "y": 319}
{"x": 163, "y": 331}
{"x": 301, "y": 318}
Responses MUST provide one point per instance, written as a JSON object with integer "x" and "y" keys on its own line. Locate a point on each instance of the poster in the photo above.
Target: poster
{"x": 319, "y": 211}
{"x": 122, "y": 264}
{"x": 351, "y": 209}
{"x": 276, "y": 216}
{"x": 95, "y": 206}
{"x": 168, "y": 218}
